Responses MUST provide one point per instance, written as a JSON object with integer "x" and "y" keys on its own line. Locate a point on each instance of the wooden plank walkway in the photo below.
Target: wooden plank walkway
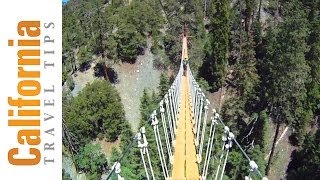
{"x": 185, "y": 165}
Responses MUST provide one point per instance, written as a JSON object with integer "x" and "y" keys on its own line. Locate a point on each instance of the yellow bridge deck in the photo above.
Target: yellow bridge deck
{"x": 185, "y": 165}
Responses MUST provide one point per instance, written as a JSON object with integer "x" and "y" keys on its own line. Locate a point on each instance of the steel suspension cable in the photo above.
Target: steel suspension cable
{"x": 206, "y": 107}
{"x": 196, "y": 111}
{"x": 209, "y": 146}
{"x": 220, "y": 159}
{"x": 172, "y": 130}
{"x": 241, "y": 149}
{"x": 158, "y": 142}
{"x": 148, "y": 155}
{"x": 227, "y": 147}
{"x": 199, "y": 119}
{"x": 172, "y": 113}
{"x": 165, "y": 129}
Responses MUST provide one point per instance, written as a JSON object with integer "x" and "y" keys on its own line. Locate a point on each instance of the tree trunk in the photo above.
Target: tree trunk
{"x": 259, "y": 11}
{"x": 205, "y": 8}
{"x": 277, "y": 11}
{"x": 105, "y": 71}
{"x": 248, "y": 20}
{"x": 240, "y": 48}
{"x": 273, "y": 148}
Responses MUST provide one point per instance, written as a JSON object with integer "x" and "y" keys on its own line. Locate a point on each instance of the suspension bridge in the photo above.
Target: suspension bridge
{"x": 195, "y": 140}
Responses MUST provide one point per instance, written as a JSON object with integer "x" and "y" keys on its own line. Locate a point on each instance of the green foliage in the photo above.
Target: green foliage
{"x": 111, "y": 48}
{"x": 238, "y": 166}
{"x": 65, "y": 176}
{"x": 70, "y": 83}
{"x": 132, "y": 167}
{"x": 244, "y": 111}
{"x": 84, "y": 57}
{"x": 144, "y": 15}
{"x": 172, "y": 48}
{"x": 288, "y": 71}
{"x": 288, "y": 74}
{"x": 305, "y": 162}
{"x": 257, "y": 154}
{"x": 96, "y": 109}
{"x": 313, "y": 55}
{"x": 91, "y": 160}
{"x": 247, "y": 78}
{"x": 115, "y": 32}
{"x": 203, "y": 84}
{"x": 164, "y": 85}
{"x": 217, "y": 55}
{"x": 179, "y": 13}
{"x": 260, "y": 135}
{"x": 129, "y": 41}
{"x": 146, "y": 107}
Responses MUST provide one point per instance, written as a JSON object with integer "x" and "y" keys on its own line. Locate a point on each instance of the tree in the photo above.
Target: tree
{"x": 116, "y": 31}
{"x": 245, "y": 73}
{"x": 84, "y": 58}
{"x": 217, "y": 57}
{"x": 96, "y": 110}
{"x": 313, "y": 55}
{"x": 250, "y": 7}
{"x": 237, "y": 168}
{"x": 130, "y": 42}
{"x": 91, "y": 160}
{"x": 164, "y": 85}
{"x": 305, "y": 162}
{"x": 65, "y": 176}
{"x": 241, "y": 112}
{"x": 288, "y": 71}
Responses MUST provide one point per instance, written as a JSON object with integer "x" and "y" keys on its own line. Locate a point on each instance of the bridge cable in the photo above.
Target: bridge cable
{"x": 206, "y": 107}
{"x": 220, "y": 159}
{"x": 196, "y": 113}
{"x": 165, "y": 129}
{"x": 159, "y": 144}
{"x": 172, "y": 130}
{"x": 199, "y": 119}
{"x": 214, "y": 123}
{"x": 144, "y": 150}
{"x": 243, "y": 152}
{"x": 173, "y": 118}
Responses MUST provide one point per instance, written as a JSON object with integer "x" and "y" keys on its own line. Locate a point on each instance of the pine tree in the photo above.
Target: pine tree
{"x": 313, "y": 55}
{"x": 288, "y": 71}
{"x": 219, "y": 30}
{"x": 164, "y": 85}
{"x": 97, "y": 110}
{"x": 305, "y": 162}
{"x": 91, "y": 160}
{"x": 129, "y": 42}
